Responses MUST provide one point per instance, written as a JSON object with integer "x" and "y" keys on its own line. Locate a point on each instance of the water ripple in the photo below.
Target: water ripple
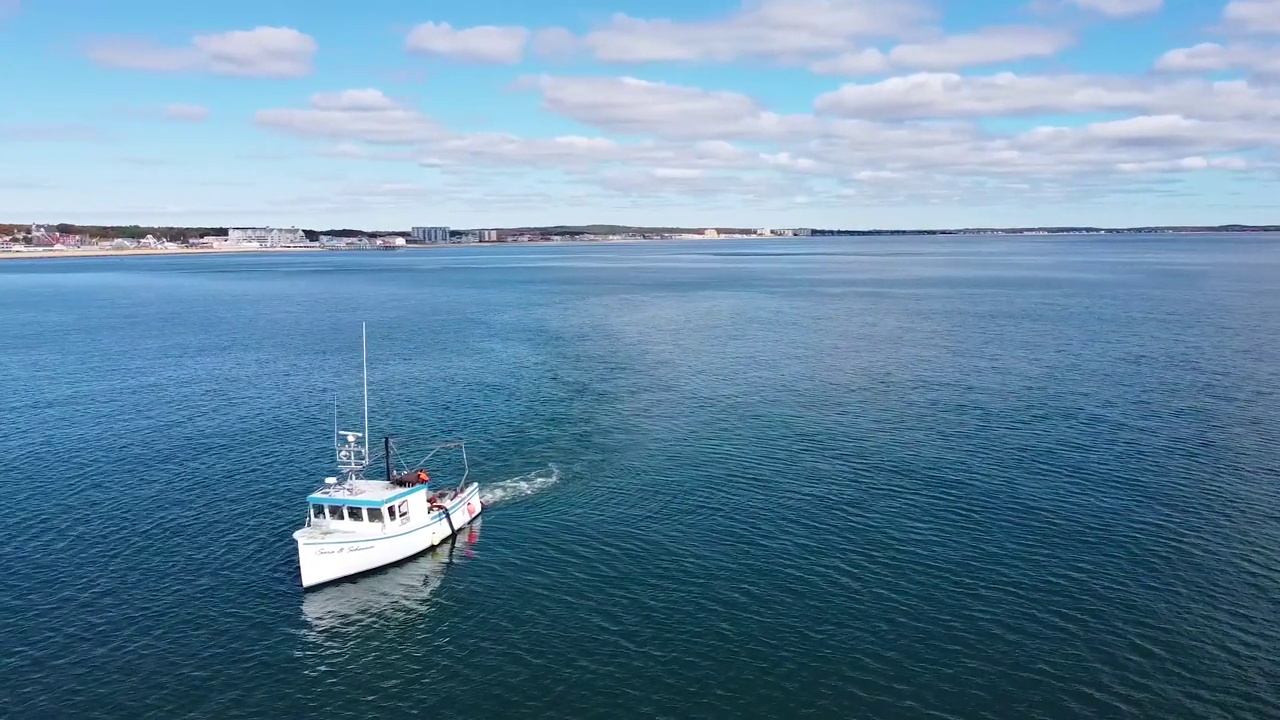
{"x": 931, "y": 478}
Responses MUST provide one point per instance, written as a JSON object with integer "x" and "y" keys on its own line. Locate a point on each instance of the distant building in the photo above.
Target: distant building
{"x": 339, "y": 241}
{"x": 430, "y": 234}
{"x": 711, "y": 233}
{"x": 266, "y": 237}
{"x": 488, "y": 236}
{"x": 802, "y": 231}
{"x": 764, "y": 232}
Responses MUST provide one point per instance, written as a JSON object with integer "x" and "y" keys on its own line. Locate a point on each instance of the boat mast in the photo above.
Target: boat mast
{"x": 353, "y": 457}
{"x": 364, "y": 362}
{"x": 386, "y": 450}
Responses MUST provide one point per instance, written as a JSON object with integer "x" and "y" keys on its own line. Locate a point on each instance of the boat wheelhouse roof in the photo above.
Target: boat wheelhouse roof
{"x": 363, "y": 493}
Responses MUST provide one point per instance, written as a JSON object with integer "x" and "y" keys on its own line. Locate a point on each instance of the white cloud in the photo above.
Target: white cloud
{"x": 630, "y": 105}
{"x": 942, "y": 95}
{"x": 266, "y": 52}
{"x": 646, "y": 167}
{"x": 854, "y": 63}
{"x": 480, "y": 44}
{"x": 1240, "y": 18}
{"x": 986, "y": 47}
{"x": 1195, "y": 162}
{"x": 683, "y": 184}
{"x": 366, "y": 115}
{"x": 367, "y": 99}
{"x": 898, "y": 141}
{"x": 1205, "y": 57}
{"x": 1147, "y": 134}
{"x": 787, "y": 161}
{"x": 949, "y": 95}
{"x": 1120, "y": 8}
{"x": 350, "y": 150}
{"x": 1253, "y": 16}
{"x": 554, "y": 43}
{"x": 1213, "y": 57}
{"x": 566, "y": 151}
{"x": 1161, "y": 128}
{"x": 777, "y": 29}
{"x": 186, "y": 113}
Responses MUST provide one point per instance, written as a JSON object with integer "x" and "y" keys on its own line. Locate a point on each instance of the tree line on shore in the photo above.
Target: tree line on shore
{"x": 114, "y": 232}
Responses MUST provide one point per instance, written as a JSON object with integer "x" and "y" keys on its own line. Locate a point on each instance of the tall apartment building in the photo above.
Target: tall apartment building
{"x": 430, "y": 234}
{"x": 488, "y": 236}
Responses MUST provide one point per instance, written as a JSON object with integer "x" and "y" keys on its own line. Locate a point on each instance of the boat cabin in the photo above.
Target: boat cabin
{"x": 358, "y": 504}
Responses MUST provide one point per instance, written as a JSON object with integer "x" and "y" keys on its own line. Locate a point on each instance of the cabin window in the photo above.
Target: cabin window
{"x": 335, "y": 512}
{"x": 391, "y": 511}
{"x": 353, "y": 513}
{"x": 317, "y": 512}
{"x": 404, "y": 510}
{"x": 375, "y": 514}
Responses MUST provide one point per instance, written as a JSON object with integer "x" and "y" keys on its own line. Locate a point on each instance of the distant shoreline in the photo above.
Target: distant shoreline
{"x": 97, "y": 252}
{"x": 136, "y": 252}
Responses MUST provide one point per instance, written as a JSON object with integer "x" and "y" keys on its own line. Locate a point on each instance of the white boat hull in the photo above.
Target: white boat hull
{"x": 325, "y": 557}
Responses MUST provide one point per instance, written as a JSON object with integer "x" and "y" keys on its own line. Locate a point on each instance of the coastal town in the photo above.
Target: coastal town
{"x": 61, "y": 239}
{"x": 65, "y": 240}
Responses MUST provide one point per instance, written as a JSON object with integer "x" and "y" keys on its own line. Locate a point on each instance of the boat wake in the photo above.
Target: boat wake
{"x": 518, "y": 488}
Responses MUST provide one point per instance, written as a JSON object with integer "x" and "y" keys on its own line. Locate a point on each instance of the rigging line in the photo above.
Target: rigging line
{"x": 425, "y": 459}
{"x": 373, "y": 459}
{"x": 397, "y": 459}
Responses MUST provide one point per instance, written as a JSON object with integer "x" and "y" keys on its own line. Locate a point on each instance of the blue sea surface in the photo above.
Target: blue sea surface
{"x": 908, "y": 477}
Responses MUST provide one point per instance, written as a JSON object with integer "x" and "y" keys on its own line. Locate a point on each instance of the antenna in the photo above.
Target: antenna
{"x": 335, "y": 421}
{"x": 364, "y": 360}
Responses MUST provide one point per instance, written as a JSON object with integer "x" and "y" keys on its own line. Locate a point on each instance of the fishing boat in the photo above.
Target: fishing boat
{"x": 356, "y": 524}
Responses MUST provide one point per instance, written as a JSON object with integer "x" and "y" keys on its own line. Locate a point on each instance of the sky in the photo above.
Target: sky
{"x": 861, "y": 114}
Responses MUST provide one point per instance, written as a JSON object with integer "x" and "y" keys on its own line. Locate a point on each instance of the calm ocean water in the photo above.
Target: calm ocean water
{"x": 892, "y": 478}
